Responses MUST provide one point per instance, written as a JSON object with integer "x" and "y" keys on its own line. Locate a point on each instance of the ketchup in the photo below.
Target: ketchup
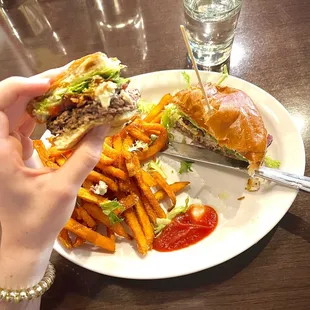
{"x": 186, "y": 229}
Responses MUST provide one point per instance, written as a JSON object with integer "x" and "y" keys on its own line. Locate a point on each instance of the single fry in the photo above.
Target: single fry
{"x": 132, "y": 163}
{"x": 88, "y": 196}
{"x": 108, "y": 141}
{"x": 133, "y": 223}
{"x": 176, "y": 187}
{"x": 138, "y": 134}
{"x": 109, "y": 151}
{"x": 54, "y": 152}
{"x": 150, "y": 196}
{"x": 148, "y": 179}
{"x": 118, "y": 146}
{"x": 61, "y": 160}
{"x": 97, "y": 214}
{"x": 111, "y": 234}
{"x": 95, "y": 177}
{"x": 129, "y": 201}
{"x": 128, "y": 141}
{"x": 105, "y": 160}
{"x": 43, "y": 154}
{"x": 157, "y": 119}
{"x": 83, "y": 215}
{"x": 145, "y": 223}
{"x": 87, "y": 184}
{"x": 156, "y": 147}
{"x": 143, "y": 217}
{"x": 151, "y": 131}
{"x": 117, "y": 143}
{"x": 78, "y": 242}
{"x": 64, "y": 238}
{"x": 165, "y": 186}
{"x": 41, "y": 150}
{"x": 166, "y": 99}
{"x": 113, "y": 171}
{"x": 90, "y": 235}
{"x": 124, "y": 186}
{"x": 150, "y": 211}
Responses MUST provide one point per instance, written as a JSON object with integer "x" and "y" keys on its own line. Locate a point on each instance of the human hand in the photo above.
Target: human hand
{"x": 35, "y": 203}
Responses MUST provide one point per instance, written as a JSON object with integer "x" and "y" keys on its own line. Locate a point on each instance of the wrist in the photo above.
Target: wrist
{"x": 21, "y": 267}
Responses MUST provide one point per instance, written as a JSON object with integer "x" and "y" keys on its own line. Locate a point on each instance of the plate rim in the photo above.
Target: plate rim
{"x": 225, "y": 258}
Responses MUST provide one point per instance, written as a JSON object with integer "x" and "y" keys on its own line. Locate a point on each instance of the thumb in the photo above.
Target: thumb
{"x": 84, "y": 158}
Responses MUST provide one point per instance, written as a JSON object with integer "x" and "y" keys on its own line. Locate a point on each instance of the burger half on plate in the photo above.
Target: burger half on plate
{"x": 234, "y": 128}
{"x": 91, "y": 92}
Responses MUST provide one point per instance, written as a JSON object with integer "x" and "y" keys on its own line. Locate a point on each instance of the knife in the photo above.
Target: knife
{"x": 199, "y": 154}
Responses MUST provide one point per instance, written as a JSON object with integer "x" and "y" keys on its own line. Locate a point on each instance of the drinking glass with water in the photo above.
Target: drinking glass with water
{"x": 211, "y": 28}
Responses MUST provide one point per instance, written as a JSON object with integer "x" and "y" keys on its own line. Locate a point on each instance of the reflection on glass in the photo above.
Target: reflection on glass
{"x": 120, "y": 26}
{"x": 26, "y": 26}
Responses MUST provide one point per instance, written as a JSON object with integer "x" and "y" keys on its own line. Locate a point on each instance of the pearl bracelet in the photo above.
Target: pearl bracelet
{"x": 36, "y": 291}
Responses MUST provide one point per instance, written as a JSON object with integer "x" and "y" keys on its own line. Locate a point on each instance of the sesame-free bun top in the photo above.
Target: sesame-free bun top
{"x": 234, "y": 122}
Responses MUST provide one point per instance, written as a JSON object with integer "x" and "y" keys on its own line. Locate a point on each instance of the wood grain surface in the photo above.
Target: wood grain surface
{"x": 271, "y": 50}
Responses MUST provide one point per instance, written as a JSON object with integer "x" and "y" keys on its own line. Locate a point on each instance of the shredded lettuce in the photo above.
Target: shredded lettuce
{"x": 178, "y": 210}
{"x": 224, "y": 76}
{"x": 170, "y": 116}
{"x": 152, "y": 165}
{"x": 108, "y": 209}
{"x": 144, "y": 106}
{"x": 78, "y": 88}
{"x": 162, "y": 223}
{"x": 187, "y": 79}
{"x": 138, "y": 145}
{"x": 186, "y": 166}
{"x": 272, "y": 163}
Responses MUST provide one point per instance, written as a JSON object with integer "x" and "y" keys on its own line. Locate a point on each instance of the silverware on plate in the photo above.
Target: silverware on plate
{"x": 199, "y": 154}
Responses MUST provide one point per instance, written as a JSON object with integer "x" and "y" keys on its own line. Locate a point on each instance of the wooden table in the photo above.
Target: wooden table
{"x": 271, "y": 50}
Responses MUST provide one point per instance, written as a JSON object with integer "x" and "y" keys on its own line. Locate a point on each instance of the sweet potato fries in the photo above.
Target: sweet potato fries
{"x": 119, "y": 193}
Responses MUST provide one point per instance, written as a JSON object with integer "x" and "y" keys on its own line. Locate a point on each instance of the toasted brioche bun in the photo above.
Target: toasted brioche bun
{"x": 69, "y": 139}
{"x": 235, "y": 122}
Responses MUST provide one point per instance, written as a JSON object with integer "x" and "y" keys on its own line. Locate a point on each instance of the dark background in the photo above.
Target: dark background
{"x": 271, "y": 50}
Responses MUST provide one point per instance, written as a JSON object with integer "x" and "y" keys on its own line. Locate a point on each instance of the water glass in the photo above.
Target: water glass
{"x": 211, "y": 26}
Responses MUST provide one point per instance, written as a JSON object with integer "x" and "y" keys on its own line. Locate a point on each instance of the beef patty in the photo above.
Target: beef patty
{"x": 73, "y": 118}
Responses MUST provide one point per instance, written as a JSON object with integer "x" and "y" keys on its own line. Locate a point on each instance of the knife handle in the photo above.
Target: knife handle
{"x": 284, "y": 178}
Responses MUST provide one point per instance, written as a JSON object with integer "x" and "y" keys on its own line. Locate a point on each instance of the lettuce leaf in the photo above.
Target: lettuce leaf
{"x": 178, "y": 210}
{"x": 186, "y": 166}
{"x": 78, "y": 88}
{"x": 224, "y": 76}
{"x": 162, "y": 223}
{"x": 170, "y": 116}
{"x": 144, "y": 106}
{"x": 108, "y": 209}
{"x": 152, "y": 165}
{"x": 272, "y": 163}
{"x": 187, "y": 79}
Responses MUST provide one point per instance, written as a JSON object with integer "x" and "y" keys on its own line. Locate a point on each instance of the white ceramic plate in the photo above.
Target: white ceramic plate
{"x": 241, "y": 223}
